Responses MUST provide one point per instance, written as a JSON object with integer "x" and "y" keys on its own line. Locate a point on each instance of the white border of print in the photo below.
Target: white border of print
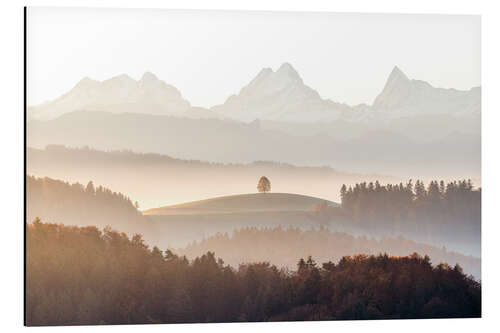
{"x": 11, "y": 131}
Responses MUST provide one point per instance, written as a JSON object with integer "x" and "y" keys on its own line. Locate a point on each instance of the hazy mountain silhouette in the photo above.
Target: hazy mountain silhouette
{"x": 402, "y": 96}
{"x": 282, "y": 96}
{"x": 279, "y": 95}
{"x": 372, "y": 150}
{"x": 121, "y": 94}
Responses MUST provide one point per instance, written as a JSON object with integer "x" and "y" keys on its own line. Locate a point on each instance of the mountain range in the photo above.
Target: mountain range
{"x": 408, "y": 97}
{"x": 279, "y": 95}
{"x": 119, "y": 94}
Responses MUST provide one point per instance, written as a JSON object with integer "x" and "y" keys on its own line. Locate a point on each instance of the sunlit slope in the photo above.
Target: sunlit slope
{"x": 255, "y": 202}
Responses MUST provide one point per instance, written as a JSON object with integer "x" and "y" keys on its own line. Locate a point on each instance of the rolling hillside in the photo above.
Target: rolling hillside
{"x": 255, "y": 202}
{"x": 156, "y": 180}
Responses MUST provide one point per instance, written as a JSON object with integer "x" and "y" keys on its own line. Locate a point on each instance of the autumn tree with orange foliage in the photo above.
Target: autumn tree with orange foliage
{"x": 78, "y": 276}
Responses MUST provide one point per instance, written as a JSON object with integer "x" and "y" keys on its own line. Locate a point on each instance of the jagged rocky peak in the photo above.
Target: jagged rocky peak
{"x": 262, "y": 76}
{"x": 397, "y": 88}
{"x": 397, "y": 75}
{"x": 403, "y": 97}
{"x": 277, "y": 95}
{"x": 284, "y": 76}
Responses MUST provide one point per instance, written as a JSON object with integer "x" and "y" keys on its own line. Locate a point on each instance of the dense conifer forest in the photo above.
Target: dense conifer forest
{"x": 77, "y": 204}
{"x": 415, "y": 207}
{"x": 84, "y": 275}
{"x": 439, "y": 213}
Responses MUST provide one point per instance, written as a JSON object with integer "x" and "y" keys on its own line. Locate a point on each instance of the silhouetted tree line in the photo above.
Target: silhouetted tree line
{"x": 87, "y": 276}
{"x": 57, "y": 201}
{"x": 452, "y": 208}
{"x": 282, "y": 247}
{"x": 131, "y": 156}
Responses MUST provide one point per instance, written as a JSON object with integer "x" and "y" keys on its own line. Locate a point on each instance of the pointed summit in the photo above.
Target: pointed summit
{"x": 279, "y": 95}
{"x": 396, "y": 90}
{"x": 287, "y": 69}
{"x": 402, "y": 96}
{"x": 263, "y": 74}
{"x": 397, "y": 75}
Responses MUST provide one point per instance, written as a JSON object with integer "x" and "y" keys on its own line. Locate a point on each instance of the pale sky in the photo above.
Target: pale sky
{"x": 209, "y": 55}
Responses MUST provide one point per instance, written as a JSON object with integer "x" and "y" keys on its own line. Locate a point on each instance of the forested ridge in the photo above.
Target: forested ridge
{"x": 82, "y": 275}
{"x": 440, "y": 212}
{"x": 77, "y": 204}
{"x": 282, "y": 247}
{"x": 160, "y": 179}
{"x": 454, "y": 204}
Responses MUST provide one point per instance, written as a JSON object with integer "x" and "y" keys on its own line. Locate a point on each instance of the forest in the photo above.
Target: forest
{"x": 84, "y": 275}
{"x": 454, "y": 204}
{"x": 282, "y": 247}
{"x": 77, "y": 204}
{"x": 441, "y": 212}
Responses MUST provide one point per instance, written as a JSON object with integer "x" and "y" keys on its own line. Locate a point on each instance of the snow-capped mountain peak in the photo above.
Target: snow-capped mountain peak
{"x": 86, "y": 82}
{"x": 148, "y": 77}
{"x": 278, "y": 95}
{"x": 397, "y": 76}
{"x": 402, "y": 96}
{"x": 120, "y": 93}
{"x": 287, "y": 70}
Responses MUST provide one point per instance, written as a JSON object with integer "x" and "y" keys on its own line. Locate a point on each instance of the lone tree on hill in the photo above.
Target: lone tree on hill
{"x": 264, "y": 185}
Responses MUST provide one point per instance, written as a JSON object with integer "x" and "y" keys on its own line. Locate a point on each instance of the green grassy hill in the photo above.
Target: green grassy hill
{"x": 255, "y": 202}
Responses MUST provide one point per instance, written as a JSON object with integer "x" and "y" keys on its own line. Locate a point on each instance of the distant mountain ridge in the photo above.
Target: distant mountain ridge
{"x": 156, "y": 180}
{"x": 279, "y": 95}
{"x": 372, "y": 151}
{"x": 119, "y": 94}
{"x": 406, "y": 97}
